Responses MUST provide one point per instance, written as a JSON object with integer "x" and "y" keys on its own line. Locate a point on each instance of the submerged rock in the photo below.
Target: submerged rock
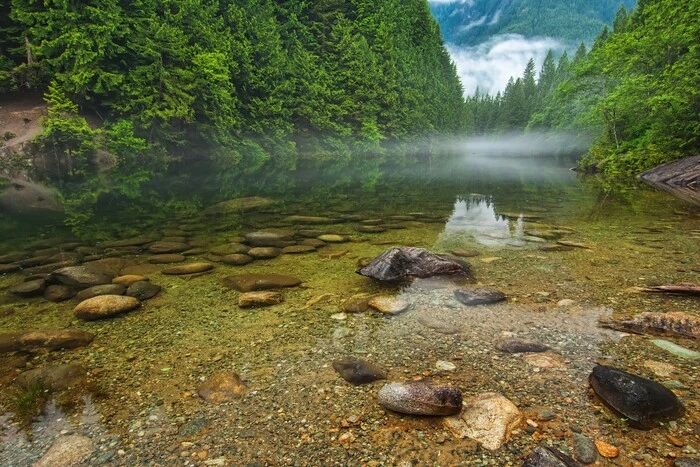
{"x": 358, "y": 371}
{"x": 264, "y": 252}
{"x": 56, "y": 377}
{"x": 520, "y": 346}
{"x": 67, "y": 451}
{"x": 488, "y": 418}
{"x": 421, "y": 398}
{"x": 168, "y": 247}
{"x": 239, "y": 205}
{"x": 236, "y": 259}
{"x": 58, "y": 293}
{"x": 29, "y": 289}
{"x": 259, "y": 299}
{"x": 389, "y": 305}
{"x": 544, "y": 456}
{"x": 641, "y": 400}
{"x": 81, "y": 277}
{"x": 479, "y": 296}
{"x": 143, "y": 290}
{"x": 222, "y": 387}
{"x": 252, "y": 282}
{"x": 407, "y": 263}
{"x": 192, "y": 268}
{"x": 668, "y": 324}
{"x": 106, "y": 289}
{"x": 55, "y": 339}
{"x": 585, "y": 450}
{"x": 105, "y": 306}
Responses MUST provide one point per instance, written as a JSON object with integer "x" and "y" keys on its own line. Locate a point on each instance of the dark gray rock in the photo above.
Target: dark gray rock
{"x": 58, "y": 293}
{"x": 686, "y": 462}
{"x": 29, "y": 289}
{"x": 421, "y": 398}
{"x": 680, "y": 178}
{"x": 106, "y": 289}
{"x": 271, "y": 239}
{"x": 168, "y": 247}
{"x": 642, "y": 400}
{"x": 407, "y": 263}
{"x": 80, "y": 277}
{"x": 358, "y": 371}
{"x": 585, "y": 450}
{"x": 519, "y": 346}
{"x": 479, "y": 296}
{"x": 143, "y": 290}
{"x": 544, "y": 456}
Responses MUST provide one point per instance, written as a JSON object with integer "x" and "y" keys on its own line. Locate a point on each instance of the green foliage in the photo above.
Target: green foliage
{"x": 28, "y": 401}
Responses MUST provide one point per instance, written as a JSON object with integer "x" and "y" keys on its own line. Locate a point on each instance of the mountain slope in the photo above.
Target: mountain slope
{"x": 470, "y": 22}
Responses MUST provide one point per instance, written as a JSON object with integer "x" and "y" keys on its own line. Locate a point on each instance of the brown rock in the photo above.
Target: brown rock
{"x": 222, "y": 387}
{"x": 50, "y": 339}
{"x": 259, "y": 299}
{"x": 106, "y": 289}
{"x": 388, "y": 305}
{"x": 236, "y": 260}
{"x": 168, "y": 247}
{"x": 606, "y": 449}
{"x": 192, "y": 268}
{"x": 166, "y": 259}
{"x": 56, "y": 377}
{"x": 252, "y": 282}
{"x": 67, "y": 451}
{"x": 29, "y": 289}
{"x": 298, "y": 249}
{"x": 105, "y": 306}
{"x": 58, "y": 293}
{"x": 264, "y": 252}
{"x": 80, "y": 277}
{"x": 128, "y": 279}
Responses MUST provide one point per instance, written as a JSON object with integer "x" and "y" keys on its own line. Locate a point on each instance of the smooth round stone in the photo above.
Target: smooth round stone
{"x": 332, "y": 238}
{"x": 259, "y": 299}
{"x": 128, "y": 279}
{"x": 356, "y": 305}
{"x": 81, "y": 277}
{"x": 58, "y": 293}
{"x": 388, "y": 305}
{"x": 222, "y": 387}
{"x": 192, "y": 268}
{"x": 253, "y": 282}
{"x": 273, "y": 239}
{"x": 264, "y": 252}
{"x": 106, "y": 289}
{"x": 236, "y": 259}
{"x": 519, "y": 346}
{"x": 371, "y": 229}
{"x": 105, "y": 306}
{"x": 686, "y": 462}
{"x": 168, "y": 247}
{"x": 6, "y": 268}
{"x": 229, "y": 249}
{"x": 437, "y": 324}
{"x": 420, "y": 398}
{"x": 371, "y": 221}
{"x": 314, "y": 242}
{"x": 357, "y": 371}
{"x": 585, "y": 450}
{"x": 308, "y": 233}
{"x": 642, "y": 400}
{"x": 166, "y": 259}
{"x": 195, "y": 252}
{"x": 29, "y": 289}
{"x": 309, "y": 220}
{"x": 443, "y": 365}
{"x": 298, "y": 249}
{"x": 143, "y": 290}
{"x": 476, "y": 296}
{"x": 555, "y": 247}
{"x": 14, "y": 257}
{"x": 54, "y": 339}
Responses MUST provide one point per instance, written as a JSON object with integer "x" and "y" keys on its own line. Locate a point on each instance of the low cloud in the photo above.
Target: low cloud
{"x": 489, "y": 65}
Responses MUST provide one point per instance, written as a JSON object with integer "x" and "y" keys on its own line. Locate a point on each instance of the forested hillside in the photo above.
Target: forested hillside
{"x": 470, "y": 23}
{"x": 636, "y": 93}
{"x": 253, "y": 87}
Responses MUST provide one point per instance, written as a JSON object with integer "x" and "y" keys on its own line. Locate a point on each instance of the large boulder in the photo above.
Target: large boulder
{"x": 407, "y": 263}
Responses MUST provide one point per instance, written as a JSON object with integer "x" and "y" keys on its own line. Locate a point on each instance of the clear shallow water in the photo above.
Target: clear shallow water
{"x": 145, "y": 366}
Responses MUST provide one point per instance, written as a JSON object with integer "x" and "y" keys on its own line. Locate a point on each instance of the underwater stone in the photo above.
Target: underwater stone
{"x": 143, "y": 290}
{"x": 309, "y": 220}
{"x": 56, "y": 377}
{"x": 29, "y": 289}
{"x": 192, "y": 268}
{"x": 236, "y": 259}
{"x": 239, "y": 205}
{"x": 222, "y": 387}
{"x": 252, "y": 282}
{"x": 58, "y": 293}
{"x": 259, "y": 299}
{"x": 229, "y": 249}
{"x": 55, "y": 339}
{"x": 544, "y": 456}
{"x": 519, "y": 346}
{"x": 298, "y": 249}
{"x": 357, "y": 371}
{"x": 479, "y": 296}
{"x": 265, "y": 238}
{"x": 167, "y": 258}
{"x": 81, "y": 277}
{"x": 641, "y": 400}
{"x": 676, "y": 349}
{"x": 168, "y": 247}
{"x": 67, "y": 451}
{"x": 105, "y": 306}
{"x": 585, "y": 450}
{"x": 106, "y": 289}
{"x": 400, "y": 264}
{"x": 421, "y": 398}
{"x": 389, "y": 305}
{"x": 264, "y": 252}
{"x": 128, "y": 279}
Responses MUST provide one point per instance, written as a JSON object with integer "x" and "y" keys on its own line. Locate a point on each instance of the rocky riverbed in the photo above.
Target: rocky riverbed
{"x": 224, "y": 353}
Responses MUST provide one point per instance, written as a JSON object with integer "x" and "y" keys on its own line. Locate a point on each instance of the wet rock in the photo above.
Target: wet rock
{"x": 661, "y": 369}
{"x": 314, "y": 242}
{"x": 253, "y": 282}
{"x": 566, "y": 243}
{"x": 134, "y": 241}
{"x": 371, "y": 229}
{"x": 7, "y": 268}
{"x": 239, "y": 205}
{"x": 676, "y": 324}
{"x": 58, "y": 293}
{"x": 174, "y": 239}
{"x": 544, "y": 456}
{"x": 543, "y": 361}
{"x": 128, "y": 279}
{"x": 143, "y": 290}
{"x": 264, "y": 252}
{"x": 479, "y": 296}
{"x": 193, "y": 427}
{"x": 195, "y": 252}
{"x": 641, "y": 400}
{"x": 555, "y": 247}
{"x": 259, "y": 299}
{"x": 686, "y": 462}
{"x": 105, "y": 306}
{"x": 55, "y": 339}
{"x": 357, "y": 304}
{"x": 67, "y": 451}
{"x": 55, "y": 377}
{"x": 443, "y": 365}
{"x": 191, "y": 268}
{"x": 269, "y": 239}
{"x": 420, "y": 398}
{"x": 166, "y": 259}
{"x": 12, "y": 257}
{"x": 168, "y": 247}
{"x": 585, "y": 450}
{"x": 309, "y": 220}
{"x": 230, "y": 249}
{"x": 222, "y": 387}
{"x": 309, "y": 233}
{"x": 107, "y": 289}
{"x": 80, "y": 277}
{"x": 358, "y": 371}
{"x": 406, "y": 263}
{"x": 298, "y": 249}
{"x": 513, "y": 345}
{"x": 389, "y": 305}
{"x": 437, "y": 324}
{"x": 236, "y": 260}
{"x": 333, "y": 238}
{"x": 110, "y": 266}
{"x": 606, "y": 450}
{"x": 676, "y": 349}
{"x": 29, "y": 289}
{"x": 488, "y": 418}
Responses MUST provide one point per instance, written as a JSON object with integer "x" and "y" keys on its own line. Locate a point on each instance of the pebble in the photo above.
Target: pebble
{"x": 29, "y": 289}
{"x": 230, "y": 249}
{"x": 236, "y": 259}
{"x": 606, "y": 450}
{"x": 253, "y": 282}
{"x": 166, "y": 259}
{"x": 168, "y": 247}
{"x": 128, "y": 279}
{"x": 268, "y": 252}
{"x": 479, "y": 296}
{"x": 58, "y": 293}
{"x": 259, "y": 299}
{"x": 420, "y": 398}
{"x": 331, "y": 238}
{"x": 67, "y": 451}
{"x": 106, "y": 289}
{"x": 545, "y": 456}
{"x": 388, "y": 305}
{"x": 514, "y": 345}
{"x": 443, "y": 365}
{"x": 357, "y": 371}
{"x": 585, "y": 450}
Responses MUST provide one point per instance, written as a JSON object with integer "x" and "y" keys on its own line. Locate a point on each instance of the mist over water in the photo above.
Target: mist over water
{"x": 520, "y": 144}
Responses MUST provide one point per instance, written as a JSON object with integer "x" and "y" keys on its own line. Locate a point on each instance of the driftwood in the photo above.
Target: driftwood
{"x": 671, "y": 289}
{"x": 679, "y": 178}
